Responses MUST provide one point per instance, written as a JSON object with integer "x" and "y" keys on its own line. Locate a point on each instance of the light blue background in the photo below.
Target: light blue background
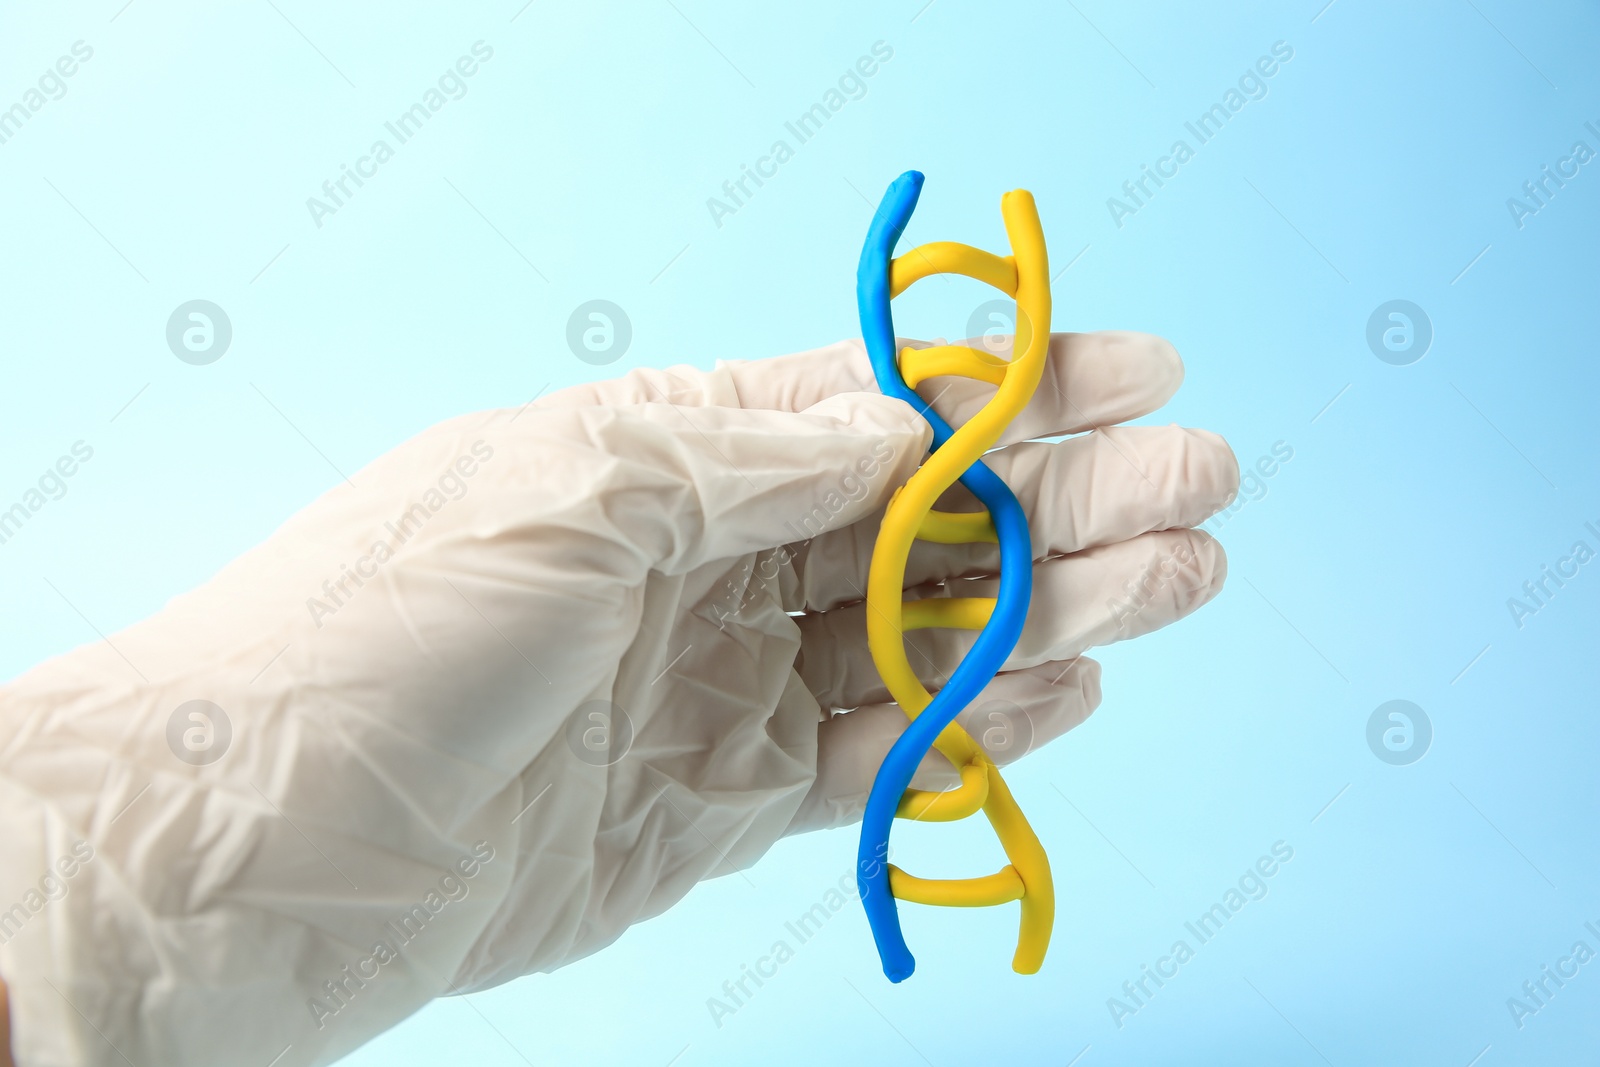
{"x": 1376, "y": 567}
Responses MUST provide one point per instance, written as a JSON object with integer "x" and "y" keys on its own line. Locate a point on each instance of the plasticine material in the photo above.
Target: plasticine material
{"x": 955, "y": 456}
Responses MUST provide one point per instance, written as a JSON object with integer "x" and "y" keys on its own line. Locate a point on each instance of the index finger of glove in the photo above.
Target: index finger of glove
{"x": 1089, "y": 380}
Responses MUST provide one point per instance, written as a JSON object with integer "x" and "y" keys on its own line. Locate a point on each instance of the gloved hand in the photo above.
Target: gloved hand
{"x": 529, "y": 678}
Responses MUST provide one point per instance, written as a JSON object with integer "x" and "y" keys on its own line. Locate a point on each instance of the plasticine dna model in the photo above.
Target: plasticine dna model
{"x": 1025, "y": 276}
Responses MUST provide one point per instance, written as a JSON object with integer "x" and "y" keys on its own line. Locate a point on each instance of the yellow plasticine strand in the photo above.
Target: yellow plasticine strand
{"x": 910, "y": 515}
{"x": 951, "y": 805}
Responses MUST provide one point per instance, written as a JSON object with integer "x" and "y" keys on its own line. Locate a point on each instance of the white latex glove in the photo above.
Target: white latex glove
{"x": 597, "y": 659}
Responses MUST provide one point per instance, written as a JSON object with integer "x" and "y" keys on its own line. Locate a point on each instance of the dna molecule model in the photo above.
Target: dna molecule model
{"x": 955, "y": 456}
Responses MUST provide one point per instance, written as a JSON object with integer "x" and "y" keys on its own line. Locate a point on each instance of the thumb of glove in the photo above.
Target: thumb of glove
{"x": 741, "y": 480}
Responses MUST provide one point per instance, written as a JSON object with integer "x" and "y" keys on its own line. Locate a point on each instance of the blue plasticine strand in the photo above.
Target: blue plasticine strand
{"x": 994, "y": 642}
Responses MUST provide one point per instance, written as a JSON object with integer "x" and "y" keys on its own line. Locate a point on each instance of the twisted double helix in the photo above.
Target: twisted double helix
{"x": 1025, "y": 276}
